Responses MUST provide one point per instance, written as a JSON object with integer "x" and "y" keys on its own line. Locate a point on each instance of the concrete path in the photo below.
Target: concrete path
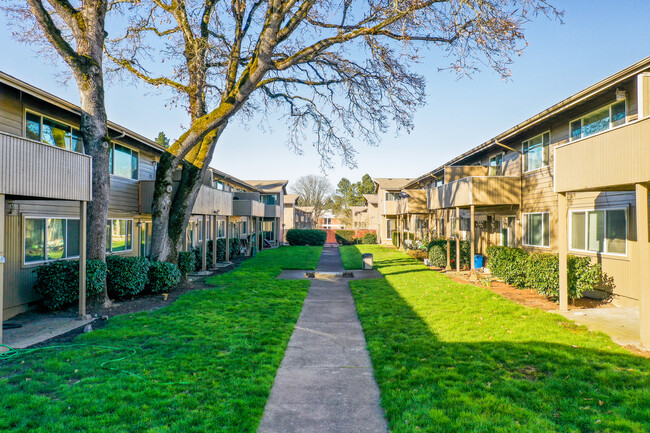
{"x": 325, "y": 382}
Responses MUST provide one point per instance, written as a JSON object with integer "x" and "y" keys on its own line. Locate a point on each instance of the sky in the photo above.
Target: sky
{"x": 597, "y": 39}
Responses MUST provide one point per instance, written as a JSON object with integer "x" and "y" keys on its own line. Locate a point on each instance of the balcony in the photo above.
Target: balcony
{"x": 614, "y": 160}
{"x": 272, "y": 211}
{"x": 415, "y": 203}
{"x": 477, "y": 191}
{"x": 250, "y": 208}
{"x": 32, "y": 169}
{"x": 390, "y": 208}
{"x": 210, "y": 201}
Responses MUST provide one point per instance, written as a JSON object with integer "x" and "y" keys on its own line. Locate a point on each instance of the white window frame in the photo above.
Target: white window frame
{"x": 604, "y": 210}
{"x": 609, "y": 106}
{"x": 40, "y": 139}
{"x": 40, "y": 217}
{"x": 524, "y": 229}
{"x": 503, "y": 157}
{"x": 392, "y": 194}
{"x": 110, "y": 251}
{"x": 524, "y": 155}
{"x": 113, "y": 160}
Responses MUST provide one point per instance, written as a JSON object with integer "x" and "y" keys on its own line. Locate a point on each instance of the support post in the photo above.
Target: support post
{"x": 472, "y": 236}
{"x": 215, "y": 227}
{"x": 204, "y": 246}
{"x": 448, "y": 235}
{"x": 82, "y": 261}
{"x": 2, "y": 265}
{"x": 458, "y": 240}
{"x": 563, "y": 250}
{"x": 227, "y": 252}
{"x": 643, "y": 254}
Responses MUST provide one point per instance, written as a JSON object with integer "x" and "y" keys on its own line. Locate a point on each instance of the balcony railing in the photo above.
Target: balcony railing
{"x": 478, "y": 191}
{"x": 210, "y": 201}
{"x": 251, "y": 208}
{"x": 614, "y": 159}
{"x": 32, "y": 169}
{"x": 390, "y": 207}
{"x": 416, "y": 202}
{"x": 272, "y": 211}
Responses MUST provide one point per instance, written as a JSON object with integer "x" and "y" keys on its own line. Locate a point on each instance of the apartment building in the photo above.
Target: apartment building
{"x": 296, "y": 217}
{"x": 387, "y": 192}
{"x": 571, "y": 179}
{"x": 272, "y": 193}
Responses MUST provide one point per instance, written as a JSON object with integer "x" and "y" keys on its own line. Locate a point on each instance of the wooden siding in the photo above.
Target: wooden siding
{"x": 248, "y": 208}
{"x": 29, "y": 168}
{"x": 11, "y": 111}
{"x": 457, "y": 172}
{"x": 415, "y": 203}
{"x": 478, "y": 191}
{"x": 616, "y": 158}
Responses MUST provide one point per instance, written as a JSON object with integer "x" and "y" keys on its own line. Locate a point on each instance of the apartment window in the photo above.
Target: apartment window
{"x": 599, "y": 231}
{"x": 496, "y": 165}
{"x": 599, "y": 120}
{"x": 268, "y": 228}
{"x": 119, "y": 235}
{"x": 537, "y": 229}
{"x": 221, "y": 229}
{"x": 441, "y": 226}
{"x": 269, "y": 199}
{"x": 52, "y": 132}
{"x": 392, "y": 196}
{"x": 145, "y": 239}
{"x": 244, "y": 229}
{"x": 536, "y": 152}
{"x": 124, "y": 162}
{"x": 219, "y": 185}
{"x": 50, "y": 239}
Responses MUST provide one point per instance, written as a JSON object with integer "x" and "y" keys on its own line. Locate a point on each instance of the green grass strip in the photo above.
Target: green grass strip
{"x": 205, "y": 363}
{"x": 450, "y": 357}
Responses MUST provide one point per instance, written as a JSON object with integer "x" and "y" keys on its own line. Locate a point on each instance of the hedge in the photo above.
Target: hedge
{"x": 306, "y": 237}
{"x": 186, "y": 262}
{"x": 369, "y": 238}
{"x": 438, "y": 253}
{"x": 163, "y": 276}
{"x": 345, "y": 237}
{"x": 127, "y": 276}
{"x": 235, "y": 245}
{"x": 541, "y": 271}
{"x": 58, "y": 282}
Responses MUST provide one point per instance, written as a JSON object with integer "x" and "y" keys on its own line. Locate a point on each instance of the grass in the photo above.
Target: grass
{"x": 450, "y": 357}
{"x": 204, "y": 363}
{"x": 351, "y": 256}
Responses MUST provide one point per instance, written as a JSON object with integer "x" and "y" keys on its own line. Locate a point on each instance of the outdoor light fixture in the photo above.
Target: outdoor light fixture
{"x": 620, "y": 94}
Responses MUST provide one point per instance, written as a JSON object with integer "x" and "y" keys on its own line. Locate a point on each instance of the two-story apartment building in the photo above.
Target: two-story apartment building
{"x": 388, "y": 192}
{"x": 571, "y": 179}
{"x": 272, "y": 193}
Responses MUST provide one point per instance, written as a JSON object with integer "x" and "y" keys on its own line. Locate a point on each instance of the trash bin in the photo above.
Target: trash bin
{"x": 479, "y": 261}
{"x": 367, "y": 262}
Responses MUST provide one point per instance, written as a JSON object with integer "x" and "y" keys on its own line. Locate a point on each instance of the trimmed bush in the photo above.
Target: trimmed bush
{"x": 509, "y": 264}
{"x": 345, "y": 237}
{"x": 438, "y": 253}
{"x": 58, "y": 282}
{"x": 369, "y": 238}
{"x": 306, "y": 237}
{"x": 395, "y": 238}
{"x": 186, "y": 262}
{"x": 163, "y": 276}
{"x": 127, "y": 276}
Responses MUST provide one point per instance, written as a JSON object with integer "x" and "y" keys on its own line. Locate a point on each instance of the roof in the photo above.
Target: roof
{"x": 308, "y": 209}
{"x": 69, "y": 106}
{"x": 391, "y": 182}
{"x": 371, "y": 198}
{"x": 357, "y": 209}
{"x": 270, "y": 185}
{"x": 557, "y": 108}
{"x": 291, "y": 198}
{"x": 234, "y": 180}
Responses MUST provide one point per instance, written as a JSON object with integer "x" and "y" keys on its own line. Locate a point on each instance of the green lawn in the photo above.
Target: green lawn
{"x": 351, "y": 256}
{"x": 205, "y": 363}
{"x": 450, "y": 357}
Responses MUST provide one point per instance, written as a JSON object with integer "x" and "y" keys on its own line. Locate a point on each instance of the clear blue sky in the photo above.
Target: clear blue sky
{"x": 598, "y": 38}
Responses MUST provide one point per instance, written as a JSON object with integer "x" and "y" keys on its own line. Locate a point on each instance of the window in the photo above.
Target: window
{"x": 145, "y": 239}
{"x": 119, "y": 235}
{"x": 441, "y": 226}
{"x": 599, "y": 120}
{"x": 52, "y": 132}
{"x": 243, "y": 228}
{"x": 496, "y": 165}
{"x": 536, "y": 152}
{"x": 219, "y": 185}
{"x": 221, "y": 229}
{"x": 50, "y": 239}
{"x": 124, "y": 162}
{"x": 537, "y": 229}
{"x": 268, "y": 228}
{"x": 270, "y": 199}
{"x": 392, "y": 196}
{"x": 599, "y": 231}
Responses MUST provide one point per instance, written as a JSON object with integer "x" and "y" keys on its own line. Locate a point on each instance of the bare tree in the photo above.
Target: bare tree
{"x": 314, "y": 191}
{"x": 338, "y": 68}
{"x": 75, "y": 29}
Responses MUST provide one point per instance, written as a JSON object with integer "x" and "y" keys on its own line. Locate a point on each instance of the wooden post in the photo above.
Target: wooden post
{"x": 2, "y": 265}
{"x": 82, "y": 261}
{"x": 448, "y": 236}
{"x": 643, "y": 253}
{"x": 227, "y": 252}
{"x": 458, "y": 239}
{"x": 563, "y": 249}
{"x": 215, "y": 229}
{"x": 204, "y": 246}
{"x": 472, "y": 236}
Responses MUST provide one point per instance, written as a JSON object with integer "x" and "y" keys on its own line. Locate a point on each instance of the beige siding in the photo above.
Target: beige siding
{"x": 11, "y": 111}
{"x": 456, "y": 172}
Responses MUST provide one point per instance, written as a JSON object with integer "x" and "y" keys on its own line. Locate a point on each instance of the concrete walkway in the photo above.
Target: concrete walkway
{"x": 325, "y": 382}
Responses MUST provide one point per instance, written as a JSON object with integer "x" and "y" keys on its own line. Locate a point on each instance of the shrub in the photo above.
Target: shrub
{"x": 369, "y": 238}
{"x": 163, "y": 276}
{"x": 58, "y": 282}
{"x": 306, "y": 237}
{"x": 186, "y": 262}
{"x": 543, "y": 275}
{"x": 438, "y": 253}
{"x": 345, "y": 237}
{"x": 509, "y": 264}
{"x": 417, "y": 254}
{"x": 395, "y": 238}
{"x": 127, "y": 276}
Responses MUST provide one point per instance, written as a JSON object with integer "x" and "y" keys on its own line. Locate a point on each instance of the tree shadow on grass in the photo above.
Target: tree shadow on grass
{"x": 473, "y": 384}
